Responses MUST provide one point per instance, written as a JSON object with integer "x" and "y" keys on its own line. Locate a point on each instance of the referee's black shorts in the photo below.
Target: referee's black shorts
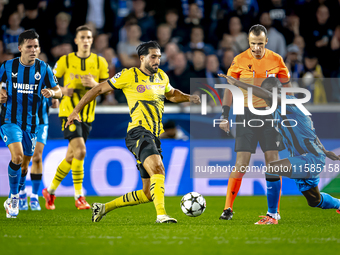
{"x": 248, "y": 137}
{"x": 77, "y": 129}
{"x": 142, "y": 143}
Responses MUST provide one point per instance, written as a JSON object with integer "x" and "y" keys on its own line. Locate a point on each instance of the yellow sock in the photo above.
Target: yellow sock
{"x": 78, "y": 176}
{"x": 131, "y": 198}
{"x": 62, "y": 171}
{"x": 157, "y": 192}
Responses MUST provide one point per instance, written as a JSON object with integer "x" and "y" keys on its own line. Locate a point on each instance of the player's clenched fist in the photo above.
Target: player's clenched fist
{"x": 73, "y": 116}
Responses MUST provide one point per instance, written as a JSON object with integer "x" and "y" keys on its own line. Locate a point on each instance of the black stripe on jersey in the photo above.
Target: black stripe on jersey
{"x": 47, "y": 80}
{"x": 135, "y": 107}
{"x": 283, "y": 133}
{"x": 151, "y": 78}
{"x": 310, "y": 147}
{"x": 82, "y": 64}
{"x": 295, "y": 140}
{"x": 146, "y": 118}
{"x": 136, "y": 75}
{"x": 15, "y": 67}
{"x": 147, "y": 107}
{"x": 88, "y": 112}
{"x": 159, "y": 120}
{"x": 160, "y": 76}
{"x": 97, "y": 62}
{"x": 111, "y": 84}
{"x": 4, "y": 76}
{"x": 3, "y": 113}
{"x": 25, "y": 99}
{"x": 35, "y": 99}
{"x": 40, "y": 114}
{"x": 67, "y": 65}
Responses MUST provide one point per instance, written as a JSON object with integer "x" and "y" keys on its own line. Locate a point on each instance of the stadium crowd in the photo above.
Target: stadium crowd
{"x": 198, "y": 38}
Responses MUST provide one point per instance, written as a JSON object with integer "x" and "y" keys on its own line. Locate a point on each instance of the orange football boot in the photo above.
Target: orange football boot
{"x": 81, "y": 203}
{"x": 266, "y": 220}
{"x": 49, "y": 199}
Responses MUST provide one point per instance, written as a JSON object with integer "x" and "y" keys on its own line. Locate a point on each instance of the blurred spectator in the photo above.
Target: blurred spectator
{"x": 240, "y": 39}
{"x": 212, "y": 71}
{"x": 61, "y": 39}
{"x": 278, "y": 10}
{"x": 181, "y": 74}
{"x": 227, "y": 59}
{"x": 101, "y": 42}
{"x": 56, "y": 6}
{"x": 178, "y": 33}
{"x": 276, "y": 41}
{"x": 112, "y": 60}
{"x": 33, "y": 19}
{"x": 127, "y": 51}
{"x": 145, "y": 21}
{"x": 291, "y": 28}
{"x": 194, "y": 17}
{"x": 293, "y": 61}
{"x": 312, "y": 79}
{"x": 197, "y": 41}
{"x": 171, "y": 131}
{"x": 11, "y": 33}
{"x": 2, "y": 14}
{"x": 226, "y": 43}
{"x": 130, "y": 19}
{"x": 163, "y": 35}
{"x": 171, "y": 50}
{"x": 3, "y": 55}
{"x": 198, "y": 63}
{"x": 43, "y": 57}
{"x": 300, "y": 42}
{"x": 335, "y": 49}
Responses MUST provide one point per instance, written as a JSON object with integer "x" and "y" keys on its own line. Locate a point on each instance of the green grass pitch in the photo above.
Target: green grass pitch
{"x": 131, "y": 230}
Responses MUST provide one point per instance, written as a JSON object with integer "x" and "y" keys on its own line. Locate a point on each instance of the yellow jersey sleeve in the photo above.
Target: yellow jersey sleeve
{"x": 168, "y": 86}
{"x": 121, "y": 80}
{"x": 104, "y": 69}
{"x": 60, "y": 67}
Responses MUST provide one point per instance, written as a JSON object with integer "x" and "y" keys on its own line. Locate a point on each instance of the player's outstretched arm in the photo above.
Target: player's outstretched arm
{"x": 54, "y": 92}
{"x": 329, "y": 154}
{"x": 257, "y": 91}
{"x": 177, "y": 96}
{"x": 87, "y": 98}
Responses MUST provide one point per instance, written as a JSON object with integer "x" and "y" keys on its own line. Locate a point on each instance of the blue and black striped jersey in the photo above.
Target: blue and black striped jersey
{"x": 299, "y": 135}
{"x": 24, "y": 98}
{"x": 43, "y": 111}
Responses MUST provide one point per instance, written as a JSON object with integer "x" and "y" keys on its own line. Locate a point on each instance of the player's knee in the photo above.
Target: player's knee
{"x": 17, "y": 159}
{"x": 37, "y": 158}
{"x": 158, "y": 168}
{"x": 80, "y": 153}
{"x": 147, "y": 193}
{"x": 24, "y": 171}
{"x": 314, "y": 201}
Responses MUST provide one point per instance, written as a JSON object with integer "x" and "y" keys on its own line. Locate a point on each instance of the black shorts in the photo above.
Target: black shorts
{"x": 247, "y": 137}
{"x": 77, "y": 129}
{"x": 142, "y": 144}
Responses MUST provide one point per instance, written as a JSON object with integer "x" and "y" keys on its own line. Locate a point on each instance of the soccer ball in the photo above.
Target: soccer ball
{"x": 193, "y": 204}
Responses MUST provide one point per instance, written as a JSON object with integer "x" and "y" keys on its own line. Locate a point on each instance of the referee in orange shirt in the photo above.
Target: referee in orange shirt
{"x": 253, "y": 66}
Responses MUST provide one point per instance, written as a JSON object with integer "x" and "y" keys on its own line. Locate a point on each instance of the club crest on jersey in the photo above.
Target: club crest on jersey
{"x": 37, "y": 76}
{"x": 157, "y": 80}
{"x": 140, "y": 88}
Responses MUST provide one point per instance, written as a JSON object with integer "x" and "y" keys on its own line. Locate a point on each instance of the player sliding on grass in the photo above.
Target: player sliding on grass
{"x": 306, "y": 151}
{"x": 145, "y": 89}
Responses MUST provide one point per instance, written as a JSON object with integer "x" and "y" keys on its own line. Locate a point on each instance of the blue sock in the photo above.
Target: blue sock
{"x": 273, "y": 195}
{"x": 22, "y": 182}
{"x": 14, "y": 173}
{"x": 36, "y": 180}
{"x": 328, "y": 202}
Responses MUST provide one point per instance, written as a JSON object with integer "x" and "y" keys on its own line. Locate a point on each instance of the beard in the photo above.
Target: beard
{"x": 151, "y": 69}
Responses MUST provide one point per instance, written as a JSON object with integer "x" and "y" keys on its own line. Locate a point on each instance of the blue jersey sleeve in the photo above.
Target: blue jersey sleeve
{"x": 3, "y": 76}
{"x": 50, "y": 80}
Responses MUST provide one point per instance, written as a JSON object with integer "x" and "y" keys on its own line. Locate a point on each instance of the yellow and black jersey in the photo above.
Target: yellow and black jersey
{"x": 72, "y": 68}
{"x": 145, "y": 97}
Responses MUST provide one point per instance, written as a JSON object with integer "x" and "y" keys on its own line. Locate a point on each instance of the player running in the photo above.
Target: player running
{"x": 82, "y": 70}
{"x": 145, "y": 89}
{"x": 306, "y": 151}
{"x": 25, "y": 81}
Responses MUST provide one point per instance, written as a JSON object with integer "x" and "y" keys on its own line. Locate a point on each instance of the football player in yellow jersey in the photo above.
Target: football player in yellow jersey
{"x": 145, "y": 89}
{"x": 81, "y": 70}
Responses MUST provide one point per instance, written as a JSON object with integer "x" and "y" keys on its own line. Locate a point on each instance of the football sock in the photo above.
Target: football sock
{"x": 34, "y": 196}
{"x": 62, "y": 170}
{"x": 157, "y": 192}
{"x": 22, "y": 182}
{"x": 328, "y": 202}
{"x": 36, "y": 180}
{"x": 234, "y": 185}
{"x": 14, "y": 172}
{"x": 273, "y": 195}
{"x": 129, "y": 199}
{"x": 78, "y": 176}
